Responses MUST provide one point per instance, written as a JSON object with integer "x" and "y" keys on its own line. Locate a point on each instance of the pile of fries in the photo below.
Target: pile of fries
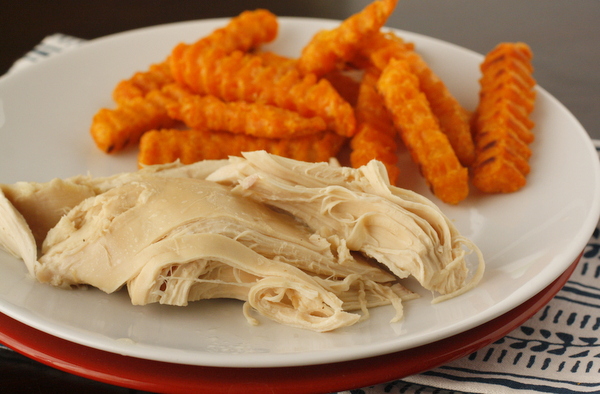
{"x": 354, "y": 84}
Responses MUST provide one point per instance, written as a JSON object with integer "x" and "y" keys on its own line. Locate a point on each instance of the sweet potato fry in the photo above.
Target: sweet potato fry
{"x": 329, "y": 47}
{"x": 245, "y": 77}
{"x": 243, "y": 33}
{"x": 189, "y": 146}
{"x": 375, "y": 135}
{"x": 115, "y": 129}
{"x": 271, "y": 59}
{"x": 446, "y": 108}
{"x": 141, "y": 101}
{"x": 240, "y": 117}
{"x": 420, "y": 131}
{"x": 502, "y": 127}
{"x": 143, "y": 82}
{"x": 380, "y": 48}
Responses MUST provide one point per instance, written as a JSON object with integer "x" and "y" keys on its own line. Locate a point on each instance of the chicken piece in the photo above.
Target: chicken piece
{"x": 211, "y": 265}
{"x": 207, "y": 265}
{"x": 284, "y": 236}
{"x": 149, "y": 232}
{"x": 358, "y": 209}
{"x": 16, "y": 237}
{"x": 111, "y": 227}
{"x": 43, "y": 204}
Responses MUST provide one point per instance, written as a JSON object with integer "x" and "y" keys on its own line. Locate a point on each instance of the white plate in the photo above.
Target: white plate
{"x": 528, "y": 238}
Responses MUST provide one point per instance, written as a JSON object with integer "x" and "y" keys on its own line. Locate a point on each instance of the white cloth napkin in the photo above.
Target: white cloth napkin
{"x": 556, "y": 351}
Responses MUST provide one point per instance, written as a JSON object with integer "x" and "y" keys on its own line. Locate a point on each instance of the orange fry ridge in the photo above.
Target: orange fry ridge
{"x": 246, "y": 32}
{"x": 380, "y": 48}
{"x": 420, "y": 131}
{"x": 190, "y": 146}
{"x": 375, "y": 135}
{"x": 245, "y": 77}
{"x": 502, "y": 126}
{"x": 328, "y": 47}
{"x": 259, "y": 120}
{"x": 143, "y": 82}
{"x": 115, "y": 129}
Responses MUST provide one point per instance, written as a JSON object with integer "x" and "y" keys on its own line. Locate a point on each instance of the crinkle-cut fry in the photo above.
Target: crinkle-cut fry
{"x": 143, "y": 82}
{"x": 420, "y": 131}
{"x": 175, "y": 61}
{"x": 375, "y": 135}
{"x": 515, "y": 79}
{"x": 380, "y": 48}
{"x": 247, "y": 31}
{"x": 370, "y": 144}
{"x": 370, "y": 107}
{"x": 241, "y": 76}
{"x": 498, "y": 111}
{"x": 240, "y": 117}
{"x": 192, "y": 145}
{"x": 446, "y": 108}
{"x": 502, "y": 127}
{"x": 491, "y": 136}
{"x": 272, "y": 59}
{"x": 499, "y": 170}
{"x": 518, "y": 51}
{"x": 502, "y": 147}
{"x": 328, "y": 47}
{"x": 115, "y": 129}
{"x": 243, "y": 33}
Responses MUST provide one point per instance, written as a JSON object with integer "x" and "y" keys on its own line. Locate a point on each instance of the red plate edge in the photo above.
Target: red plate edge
{"x": 155, "y": 376}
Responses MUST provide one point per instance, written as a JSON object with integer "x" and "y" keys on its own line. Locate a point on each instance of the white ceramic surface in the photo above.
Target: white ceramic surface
{"x": 528, "y": 238}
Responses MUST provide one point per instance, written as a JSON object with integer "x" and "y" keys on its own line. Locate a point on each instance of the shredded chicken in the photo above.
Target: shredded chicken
{"x": 307, "y": 245}
{"x": 360, "y": 210}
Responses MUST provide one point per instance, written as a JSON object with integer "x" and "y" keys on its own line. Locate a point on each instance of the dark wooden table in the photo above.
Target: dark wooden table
{"x": 564, "y": 35}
